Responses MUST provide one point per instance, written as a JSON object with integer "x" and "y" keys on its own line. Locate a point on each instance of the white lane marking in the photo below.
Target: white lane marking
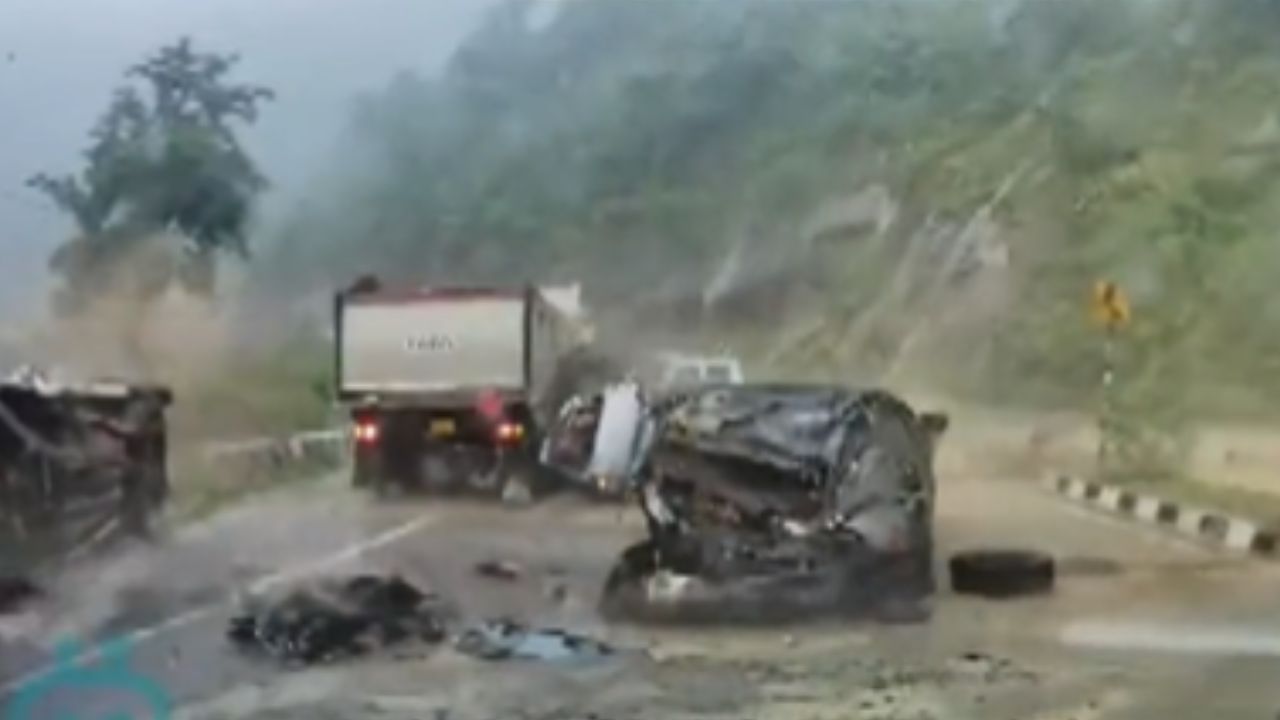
{"x": 1172, "y": 638}
{"x": 346, "y": 555}
{"x": 296, "y": 572}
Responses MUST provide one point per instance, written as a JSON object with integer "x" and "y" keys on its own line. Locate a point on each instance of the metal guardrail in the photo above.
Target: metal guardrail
{"x": 295, "y": 444}
{"x": 269, "y": 455}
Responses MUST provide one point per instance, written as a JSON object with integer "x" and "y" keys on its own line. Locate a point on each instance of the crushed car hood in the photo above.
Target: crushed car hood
{"x": 794, "y": 453}
{"x": 801, "y": 431}
{"x": 777, "y": 495}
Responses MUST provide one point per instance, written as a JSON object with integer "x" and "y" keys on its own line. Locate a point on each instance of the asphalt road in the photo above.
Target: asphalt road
{"x": 1142, "y": 625}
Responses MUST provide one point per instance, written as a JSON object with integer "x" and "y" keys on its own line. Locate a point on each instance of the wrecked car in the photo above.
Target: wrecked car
{"x": 772, "y": 501}
{"x": 600, "y": 441}
{"x": 80, "y": 464}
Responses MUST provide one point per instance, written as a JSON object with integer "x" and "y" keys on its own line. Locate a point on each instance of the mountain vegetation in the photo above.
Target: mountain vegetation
{"x": 892, "y": 188}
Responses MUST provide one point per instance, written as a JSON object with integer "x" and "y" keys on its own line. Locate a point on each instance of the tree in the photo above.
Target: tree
{"x": 164, "y": 165}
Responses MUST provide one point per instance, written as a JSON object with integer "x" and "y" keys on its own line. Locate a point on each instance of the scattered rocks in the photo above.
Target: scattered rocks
{"x": 989, "y": 668}
{"x": 16, "y": 591}
{"x": 895, "y": 706}
{"x": 499, "y": 570}
{"x": 558, "y": 593}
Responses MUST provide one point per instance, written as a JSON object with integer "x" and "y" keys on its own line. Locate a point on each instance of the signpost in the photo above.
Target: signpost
{"x": 1110, "y": 306}
{"x": 1112, "y": 313}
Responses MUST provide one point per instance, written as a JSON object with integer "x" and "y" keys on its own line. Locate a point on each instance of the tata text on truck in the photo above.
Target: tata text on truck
{"x": 448, "y": 387}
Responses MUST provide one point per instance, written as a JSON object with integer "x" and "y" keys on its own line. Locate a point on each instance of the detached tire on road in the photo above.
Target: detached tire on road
{"x": 1001, "y": 573}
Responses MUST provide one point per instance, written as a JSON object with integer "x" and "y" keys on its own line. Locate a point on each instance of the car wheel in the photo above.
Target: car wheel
{"x": 1001, "y": 573}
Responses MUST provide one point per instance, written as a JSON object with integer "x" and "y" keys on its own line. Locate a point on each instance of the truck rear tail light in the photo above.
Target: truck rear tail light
{"x": 366, "y": 432}
{"x": 510, "y": 432}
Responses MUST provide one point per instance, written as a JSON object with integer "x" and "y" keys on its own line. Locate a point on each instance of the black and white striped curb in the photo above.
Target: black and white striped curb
{"x": 1215, "y": 528}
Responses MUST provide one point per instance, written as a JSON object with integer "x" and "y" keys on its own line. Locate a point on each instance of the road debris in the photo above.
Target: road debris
{"x": 767, "y": 502}
{"x": 557, "y": 592}
{"x": 989, "y": 668}
{"x": 510, "y": 640}
{"x": 1001, "y": 573}
{"x": 338, "y": 619}
{"x": 499, "y": 570}
{"x": 16, "y": 591}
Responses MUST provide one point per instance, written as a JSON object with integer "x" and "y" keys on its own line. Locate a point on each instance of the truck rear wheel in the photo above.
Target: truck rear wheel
{"x": 372, "y": 481}
{"x": 385, "y": 488}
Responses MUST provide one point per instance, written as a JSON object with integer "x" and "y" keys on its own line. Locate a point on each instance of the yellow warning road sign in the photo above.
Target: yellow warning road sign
{"x": 1110, "y": 305}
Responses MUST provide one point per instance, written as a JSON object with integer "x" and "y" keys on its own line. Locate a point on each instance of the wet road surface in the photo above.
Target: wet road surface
{"x": 1099, "y": 647}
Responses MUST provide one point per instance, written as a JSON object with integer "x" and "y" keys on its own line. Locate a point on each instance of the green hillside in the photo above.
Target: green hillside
{"x": 889, "y": 188}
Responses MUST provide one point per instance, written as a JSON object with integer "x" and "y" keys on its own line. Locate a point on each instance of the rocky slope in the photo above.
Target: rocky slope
{"x": 902, "y": 188}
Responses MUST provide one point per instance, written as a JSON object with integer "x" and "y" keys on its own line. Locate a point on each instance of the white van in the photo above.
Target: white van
{"x": 678, "y": 370}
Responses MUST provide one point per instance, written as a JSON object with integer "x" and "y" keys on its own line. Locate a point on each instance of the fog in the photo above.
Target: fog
{"x": 61, "y": 59}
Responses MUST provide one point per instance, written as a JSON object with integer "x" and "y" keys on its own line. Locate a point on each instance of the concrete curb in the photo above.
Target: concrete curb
{"x": 1210, "y": 527}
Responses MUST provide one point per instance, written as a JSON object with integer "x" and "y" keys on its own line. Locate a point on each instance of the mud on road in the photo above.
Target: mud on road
{"x": 973, "y": 659}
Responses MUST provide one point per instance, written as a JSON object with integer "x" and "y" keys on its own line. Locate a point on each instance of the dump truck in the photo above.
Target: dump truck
{"x": 81, "y": 464}
{"x": 448, "y": 388}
